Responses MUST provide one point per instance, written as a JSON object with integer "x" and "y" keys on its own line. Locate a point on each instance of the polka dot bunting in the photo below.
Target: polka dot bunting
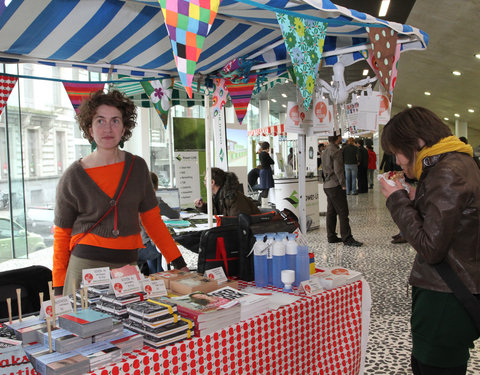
{"x": 6, "y": 86}
{"x": 325, "y": 339}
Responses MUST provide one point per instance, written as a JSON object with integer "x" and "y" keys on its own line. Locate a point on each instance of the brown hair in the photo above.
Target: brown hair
{"x": 154, "y": 179}
{"x": 404, "y": 130}
{"x": 264, "y": 146}
{"x": 114, "y": 98}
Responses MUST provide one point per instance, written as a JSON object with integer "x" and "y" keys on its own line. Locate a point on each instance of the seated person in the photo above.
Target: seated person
{"x": 227, "y": 198}
{"x": 252, "y": 178}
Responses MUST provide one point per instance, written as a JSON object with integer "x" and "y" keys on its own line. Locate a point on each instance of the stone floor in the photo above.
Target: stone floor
{"x": 385, "y": 266}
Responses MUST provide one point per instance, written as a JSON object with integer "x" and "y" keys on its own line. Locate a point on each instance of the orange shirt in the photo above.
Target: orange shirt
{"x": 107, "y": 178}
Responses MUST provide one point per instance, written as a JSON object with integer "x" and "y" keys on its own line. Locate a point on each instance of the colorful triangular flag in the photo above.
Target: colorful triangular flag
{"x": 384, "y": 45}
{"x": 304, "y": 41}
{"x": 219, "y": 97}
{"x": 7, "y": 84}
{"x": 160, "y": 93}
{"x": 188, "y": 24}
{"x": 240, "y": 93}
{"x": 78, "y": 92}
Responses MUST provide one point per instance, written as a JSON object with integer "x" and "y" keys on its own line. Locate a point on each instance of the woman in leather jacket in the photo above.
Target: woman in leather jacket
{"x": 441, "y": 222}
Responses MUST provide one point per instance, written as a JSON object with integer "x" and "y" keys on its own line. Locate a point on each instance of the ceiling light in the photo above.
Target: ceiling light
{"x": 471, "y": 110}
{"x": 446, "y": 118}
{"x": 284, "y": 105}
{"x": 365, "y": 72}
{"x": 427, "y": 93}
{"x": 284, "y": 95}
{"x": 273, "y": 100}
{"x": 457, "y": 115}
{"x": 409, "y": 105}
{"x": 383, "y": 8}
{"x": 456, "y": 73}
{"x": 477, "y": 55}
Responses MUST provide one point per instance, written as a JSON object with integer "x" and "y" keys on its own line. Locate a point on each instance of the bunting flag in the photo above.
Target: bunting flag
{"x": 7, "y": 84}
{"x": 78, "y": 92}
{"x": 240, "y": 93}
{"x": 219, "y": 97}
{"x": 304, "y": 41}
{"x": 160, "y": 93}
{"x": 384, "y": 45}
{"x": 393, "y": 81}
{"x": 188, "y": 24}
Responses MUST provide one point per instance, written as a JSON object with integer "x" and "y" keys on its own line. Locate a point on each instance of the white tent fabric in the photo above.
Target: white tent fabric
{"x": 129, "y": 37}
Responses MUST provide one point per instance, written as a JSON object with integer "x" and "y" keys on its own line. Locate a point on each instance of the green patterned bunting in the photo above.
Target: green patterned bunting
{"x": 160, "y": 93}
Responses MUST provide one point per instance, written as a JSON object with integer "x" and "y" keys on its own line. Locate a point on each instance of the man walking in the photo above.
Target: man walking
{"x": 334, "y": 187}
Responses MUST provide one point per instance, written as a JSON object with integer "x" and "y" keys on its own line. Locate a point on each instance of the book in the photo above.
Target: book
{"x": 100, "y": 354}
{"x": 150, "y": 309}
{"x": 164, "y": 341}
{"x": 170, "y": 275}
{"x": 127, "y": 341}
{"x": 64, "y": 341}
{"x": 163, "y": 331}
{"x": 114, "y": 332}
{"x": 86, "y": 322}
{"x": 194, "y": 283}
{"x": 123, "y": 301}
{"x": 333, "y": 277}
{"x": 61, "y": 363}
{"x": 156, "y": 322}
{"x": 30, "y": 333}
{"x": 250, "y": 304}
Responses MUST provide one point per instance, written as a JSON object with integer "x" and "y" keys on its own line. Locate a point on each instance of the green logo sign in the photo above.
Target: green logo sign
{"x": 221, "y": 154}
{"x": 292, "y": 199}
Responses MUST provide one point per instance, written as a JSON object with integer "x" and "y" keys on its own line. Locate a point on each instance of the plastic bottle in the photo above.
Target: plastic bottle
{"x": 269, "y": 242}
{"x": 302, "y": 265}
{"x": 284, "y": 237}
{"x": 279, "y": 261}
{"x": 291, "y": 251}
{"x": 260, "y": 261}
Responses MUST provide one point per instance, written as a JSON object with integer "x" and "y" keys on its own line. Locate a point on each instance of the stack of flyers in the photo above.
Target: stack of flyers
{"x": 165, "y": 334}
{"x": 64, "y": 341}
{"x": 100, "y": 354}
{"x": 127, "y": 341}
{"x": 86, "y": 322}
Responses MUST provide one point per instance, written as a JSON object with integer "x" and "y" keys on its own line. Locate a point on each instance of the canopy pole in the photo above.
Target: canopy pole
{"x": 302, "y": 208}
{"x": 208, "y": 162}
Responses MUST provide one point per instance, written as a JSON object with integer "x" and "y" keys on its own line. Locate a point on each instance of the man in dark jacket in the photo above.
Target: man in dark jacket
{"x": 362, "y": 168}
{"x": 228, "y": 199}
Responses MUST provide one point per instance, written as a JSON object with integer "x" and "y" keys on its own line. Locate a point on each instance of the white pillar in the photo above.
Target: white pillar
{"x": 461, "y": 128}
{"x": 282, "y": 116}
{"x": 302, "y": 208}
{"x": 264, "y": 109}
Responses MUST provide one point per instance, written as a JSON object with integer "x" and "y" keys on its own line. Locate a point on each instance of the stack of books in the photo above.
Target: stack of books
{"x": 100, "y": 354}
{"x": 127, "y": 341}
{"x": 86, "y": 322}
{"x": 158, "y": 322}
{"x": 64, "y": 341}
{"x": 250, "y": 304}
{"x": 70, "y": 363}
{"x": 209, "y": 313}
{"x": 333, "y": 277}
{"x": 117, "y": 306}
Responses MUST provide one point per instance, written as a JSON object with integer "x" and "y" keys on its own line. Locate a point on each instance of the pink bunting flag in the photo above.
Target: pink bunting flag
{"x": 7, "y": 84}
{"x": 240, "y": 93}
{"x": 78, "y": 92}
{"x": 219, "y": 97}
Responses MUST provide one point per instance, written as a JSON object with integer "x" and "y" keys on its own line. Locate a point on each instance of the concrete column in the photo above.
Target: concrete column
{"x": 282, "y": 116}
{"x": 461, "y": 128}
{"x": 264, "y": 109}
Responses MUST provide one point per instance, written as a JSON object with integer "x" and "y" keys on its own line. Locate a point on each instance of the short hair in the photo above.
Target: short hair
{"x": 264, "y": 146}
{"x": 332, "y": 138}
{"x": 113, "y": 98}
{"x": 218, "y": 175}
{"x": 464, "y": 140}
{"x": 402, "y": 132}
{"x": 154, "y": 179}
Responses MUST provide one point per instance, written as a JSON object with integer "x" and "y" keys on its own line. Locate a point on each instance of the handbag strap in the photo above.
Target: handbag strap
{"x": 471, "y": 304}
{"x": 113, "y": 205}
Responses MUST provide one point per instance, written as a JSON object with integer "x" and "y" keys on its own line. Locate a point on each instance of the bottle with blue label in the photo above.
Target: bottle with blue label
{"x": 291, "y": 251}
{"x": 279, "y": 261}
{"x": 302, "y": 265}
{"x": 269, "y": 242}
{"x": 260, "y": 261}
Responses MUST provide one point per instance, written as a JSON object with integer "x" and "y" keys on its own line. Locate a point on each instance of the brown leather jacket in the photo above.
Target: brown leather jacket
{"x": 443, "y": 220}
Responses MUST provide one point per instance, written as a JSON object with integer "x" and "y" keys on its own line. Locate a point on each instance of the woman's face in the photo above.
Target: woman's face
{"x": 107, "y": 127}
{"x": 405, "y": 164}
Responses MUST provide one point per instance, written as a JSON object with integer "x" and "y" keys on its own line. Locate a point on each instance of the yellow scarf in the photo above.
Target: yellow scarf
{"x": 447, "y": 144}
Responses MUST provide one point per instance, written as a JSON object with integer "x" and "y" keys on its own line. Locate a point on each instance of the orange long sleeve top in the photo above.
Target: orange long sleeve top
{"x": 108, "y": 178}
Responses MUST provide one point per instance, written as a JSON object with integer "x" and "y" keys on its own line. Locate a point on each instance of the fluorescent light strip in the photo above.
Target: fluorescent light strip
{"x": 384, "y": 8}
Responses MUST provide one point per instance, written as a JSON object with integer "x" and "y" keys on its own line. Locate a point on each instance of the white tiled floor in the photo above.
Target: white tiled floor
{"x": 385, "y": 266}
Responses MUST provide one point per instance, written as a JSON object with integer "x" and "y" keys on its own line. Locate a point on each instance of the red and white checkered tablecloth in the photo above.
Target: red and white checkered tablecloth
{"x": 315, "y": 335}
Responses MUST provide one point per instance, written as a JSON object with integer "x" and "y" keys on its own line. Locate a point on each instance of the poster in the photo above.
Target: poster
{"x": 187, "y": 175}
{"x": 220, "y": 140}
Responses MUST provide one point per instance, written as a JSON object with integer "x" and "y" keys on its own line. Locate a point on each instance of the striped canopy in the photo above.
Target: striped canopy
{"x": 130, "y": 37}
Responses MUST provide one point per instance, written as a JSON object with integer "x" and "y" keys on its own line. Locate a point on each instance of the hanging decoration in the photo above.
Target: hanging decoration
{"x": 160, "y": 94}
{"x": 219, "y": 96}
{"x": 384, "y": 44}
{"x": 78, "y": 92}
{"x": 304, "y": 41}
{"x": 7, "y": 84}
{"x": 240, "y": 93}
{"x": 188, "y": 24}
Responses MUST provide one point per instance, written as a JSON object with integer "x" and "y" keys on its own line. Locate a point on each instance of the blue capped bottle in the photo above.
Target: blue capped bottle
{"x": 260, "y": 261}
{"x": 279, "y": 261}
{"x": 269, "y": 242}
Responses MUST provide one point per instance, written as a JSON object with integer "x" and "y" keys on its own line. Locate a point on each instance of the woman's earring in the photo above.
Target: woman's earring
{"x": 122, "y": 143}
{"x": 93, "y": 145}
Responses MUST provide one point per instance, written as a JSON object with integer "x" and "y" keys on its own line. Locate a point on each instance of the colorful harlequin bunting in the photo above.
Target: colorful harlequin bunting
{"x": 188, "y": 23}
{"x": 240, "y": 93}
{"x": 304, "y": 40}
{"x": 160, "y": 94}
{"x": 6, "y": 86}
{"x": 78, "y": 92}
{"x": 384, "y": 45}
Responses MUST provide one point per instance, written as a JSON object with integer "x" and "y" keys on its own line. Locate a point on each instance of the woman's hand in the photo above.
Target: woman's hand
{"x": 198, "y": 202}
{"x": 185, "y": 269}
{"x": 388, "y": 189}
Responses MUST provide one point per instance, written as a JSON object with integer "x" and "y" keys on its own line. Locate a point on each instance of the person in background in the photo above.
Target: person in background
{"x": 99, "y": 198}
{"x": 321, "y": 147}
{"x": 372, "y": 165}
{"x": 227, "y": 198}
{"x": 266, "y": 174}
{"x": 350, "y": 160}
{"x": 334, "y": 188}
{"x": 252, "y": 178}
{"x": 440, "y": 220}
{"x": 362, "y": 168}
{"x": 290, "y": 157}
{"x": 477, "y": 160}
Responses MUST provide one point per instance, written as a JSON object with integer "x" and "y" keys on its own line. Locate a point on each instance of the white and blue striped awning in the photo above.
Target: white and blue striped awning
{"x": 130, "y": 37}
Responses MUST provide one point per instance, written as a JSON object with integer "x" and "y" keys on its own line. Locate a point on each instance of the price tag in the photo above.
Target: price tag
{"x": 312, "y": 286}
{"x": 62, "y": 306}
{"x": 95, "y": 276}
{"x": 217, "y": 274}
{"x": 154, "y": 288}
{"x": 126, "y": 285}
